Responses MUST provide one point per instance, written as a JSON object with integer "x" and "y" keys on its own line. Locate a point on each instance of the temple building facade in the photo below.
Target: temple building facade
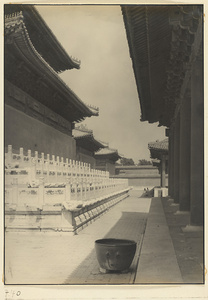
{"x": 166, "y": 48}
{"x": 40, "y": 109}
{"x": 51, "y": 179}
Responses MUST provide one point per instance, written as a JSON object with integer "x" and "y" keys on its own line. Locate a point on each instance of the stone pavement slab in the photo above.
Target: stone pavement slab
{"x": 188, "y": 245}
{"x": 158, "y": 262}
{"x": 57, "y": 258}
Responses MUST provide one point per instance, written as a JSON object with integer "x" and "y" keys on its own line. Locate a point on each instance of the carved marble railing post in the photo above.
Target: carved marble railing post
{"x": 62, "y": 169}
{"x": 9, "y": 155}
{"x": 35, "y": 163}
{"x": 85, "y": 188}
{"x": 15, "y": 191}
{"x": 68, "y": 190}
{"x": 53, "y": 166}
{"x": 41, "y": 193}
{"x": 69, "y": 170}
{"x": 47, "y": 166}
{"x": 77, "y": 191}
{"x": 21, "y": 157}
{"x": 57, "y": 169}
{"x": 42, "y": 161}
{"x": 30, "y": 165}
{"x": 33, "y": 168}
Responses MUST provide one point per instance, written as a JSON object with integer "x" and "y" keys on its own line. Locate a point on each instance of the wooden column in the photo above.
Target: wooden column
{"x": 185, "y": 152}
{"x": 171, "y": 162}
{"x": 197, "y": 144}
{"x": 163, "y": 158}
{"x": 176, "y": 158}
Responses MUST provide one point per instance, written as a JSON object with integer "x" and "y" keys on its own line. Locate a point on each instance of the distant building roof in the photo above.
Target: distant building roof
{"x": 80, "y": 133}
{"x": 84, "y": 138}
{"x": 107, "y": 153}
{"x": 159, "y": 145}
{"x": 158, "y": 148}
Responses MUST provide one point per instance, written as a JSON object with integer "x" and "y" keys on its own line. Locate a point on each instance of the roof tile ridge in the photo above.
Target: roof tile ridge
{"x": 75, "y": 60}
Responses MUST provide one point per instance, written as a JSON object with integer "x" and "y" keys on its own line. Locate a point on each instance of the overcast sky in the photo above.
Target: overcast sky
{"x": 96, "y": 35}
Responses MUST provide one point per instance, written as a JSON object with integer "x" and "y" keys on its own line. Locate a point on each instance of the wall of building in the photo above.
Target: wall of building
{"x": 110, "y": 167}
{"x": 85, "y": 156}
{"x": 137, "y": 170}
{"x": 105, "y": 165}
{"x": 24, "y": 131}
{"x": 144, "y": 182}
{"x": 143, "y": 176}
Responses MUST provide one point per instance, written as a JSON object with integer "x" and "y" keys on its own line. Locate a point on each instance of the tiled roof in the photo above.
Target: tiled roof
{"x": 159, "y": 145}
{"x": 77, "y": 133}
{"x": 17, "y": 40}
{"x": 158, "y": 149}
{"x": 39, "y": 31}
{"x": 84, "y": 138}
{"x": 105, "y": 151}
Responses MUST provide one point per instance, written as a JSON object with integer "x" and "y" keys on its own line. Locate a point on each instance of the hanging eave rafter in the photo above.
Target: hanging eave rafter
{"x": 163, "y": 41}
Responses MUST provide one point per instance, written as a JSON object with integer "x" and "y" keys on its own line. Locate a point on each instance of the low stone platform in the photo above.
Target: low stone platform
{"x": 67, "y": 217}
{"x": 158, "y": 262}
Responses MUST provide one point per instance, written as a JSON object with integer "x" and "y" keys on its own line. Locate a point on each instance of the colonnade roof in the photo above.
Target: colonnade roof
{"x": 159, "y": 148}
{"x": 163, "y": 43}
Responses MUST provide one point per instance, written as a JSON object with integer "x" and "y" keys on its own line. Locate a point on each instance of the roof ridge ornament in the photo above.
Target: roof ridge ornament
{"x": 76, "y": 60}
{"x": 16, "y": 14}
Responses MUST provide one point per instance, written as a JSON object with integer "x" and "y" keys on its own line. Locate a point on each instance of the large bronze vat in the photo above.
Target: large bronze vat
{"x": 115, "y": 254}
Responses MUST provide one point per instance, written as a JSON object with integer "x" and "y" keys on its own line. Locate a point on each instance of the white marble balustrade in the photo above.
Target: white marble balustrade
{"x": 37, "y": 180}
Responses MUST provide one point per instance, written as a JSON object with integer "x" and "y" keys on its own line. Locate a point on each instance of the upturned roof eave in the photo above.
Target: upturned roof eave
{"x": 131, "y": 51}
{"x": 61, "y": 61}
{"x": 88, "y": 138}
{"x": 113, "y": 155}
{"x": 29, "y": 54}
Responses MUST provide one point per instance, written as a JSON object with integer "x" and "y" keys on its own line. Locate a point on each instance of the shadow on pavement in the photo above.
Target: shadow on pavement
{"x": 189, "y": 246}
{"x": 130, "y": 226}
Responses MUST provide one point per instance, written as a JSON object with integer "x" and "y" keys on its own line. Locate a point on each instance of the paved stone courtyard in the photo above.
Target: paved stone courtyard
{"x": 165, "y": 254}
{"x": 54, "y": 258}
